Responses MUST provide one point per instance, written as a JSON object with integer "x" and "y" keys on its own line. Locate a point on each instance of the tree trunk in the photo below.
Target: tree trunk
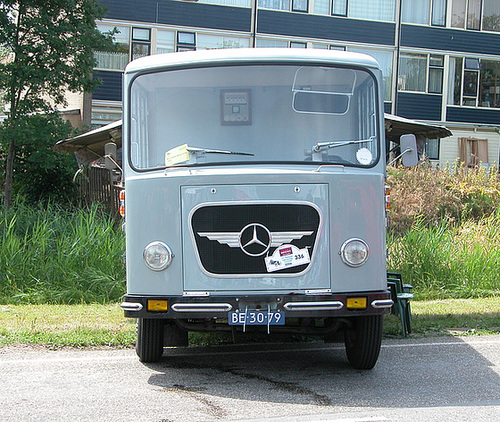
{"x": 9, "y": 172}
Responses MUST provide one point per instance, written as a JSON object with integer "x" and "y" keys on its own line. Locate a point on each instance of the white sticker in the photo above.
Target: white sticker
{"x": 177, "y": 155}
{"x": 364, "y": 156}
{"x": 287, "y": 256}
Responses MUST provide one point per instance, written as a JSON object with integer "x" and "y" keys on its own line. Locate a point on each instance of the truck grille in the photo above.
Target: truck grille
{"x": 236, "y": 239}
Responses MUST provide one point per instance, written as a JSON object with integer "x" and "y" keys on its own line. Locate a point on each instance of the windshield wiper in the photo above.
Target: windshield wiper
{"x": 216, "y": 151}
{"x": 333, "y": 144}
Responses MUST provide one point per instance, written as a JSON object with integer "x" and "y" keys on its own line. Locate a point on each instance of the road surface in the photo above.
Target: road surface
{"x": 434, "y": 379}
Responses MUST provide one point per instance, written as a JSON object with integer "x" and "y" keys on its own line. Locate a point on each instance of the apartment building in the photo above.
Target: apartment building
{"x": 440, "y": 58}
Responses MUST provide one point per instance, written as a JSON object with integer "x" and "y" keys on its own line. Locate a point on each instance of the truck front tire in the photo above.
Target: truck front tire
{"x": 149, "y": 346}
{"x": 363, "y": 341}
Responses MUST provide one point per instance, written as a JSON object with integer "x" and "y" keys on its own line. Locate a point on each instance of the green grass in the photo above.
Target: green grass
{"x": 53, "y": 255}
{"x": 444, "y": 261}
{"x": 98, "y": 325}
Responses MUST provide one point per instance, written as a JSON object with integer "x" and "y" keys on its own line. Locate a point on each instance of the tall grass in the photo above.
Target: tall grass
{"x": 448, "y": 260}
{"x": 53, "y": 255}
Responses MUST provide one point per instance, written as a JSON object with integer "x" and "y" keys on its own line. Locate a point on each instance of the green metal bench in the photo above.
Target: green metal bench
{"x": 401, "y": 296}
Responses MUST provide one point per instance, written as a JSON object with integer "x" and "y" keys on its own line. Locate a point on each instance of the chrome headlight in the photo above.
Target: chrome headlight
{"x": 354, "y": 252}
{"x": 157, "y": 256}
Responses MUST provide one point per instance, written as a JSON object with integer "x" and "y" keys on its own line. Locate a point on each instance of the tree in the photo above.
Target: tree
{"x": 41, "y": 173}
{"x": 50, "y": 44}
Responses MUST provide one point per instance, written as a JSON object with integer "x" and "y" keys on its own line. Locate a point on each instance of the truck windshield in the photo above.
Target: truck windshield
{"x": 254, "y": 113}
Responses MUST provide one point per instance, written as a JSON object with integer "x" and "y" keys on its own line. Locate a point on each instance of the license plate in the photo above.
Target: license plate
{"x": 256, "y": 318}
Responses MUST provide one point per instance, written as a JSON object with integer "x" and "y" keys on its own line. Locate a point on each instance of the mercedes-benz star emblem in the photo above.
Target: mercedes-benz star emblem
{"x": 254, "y": 239}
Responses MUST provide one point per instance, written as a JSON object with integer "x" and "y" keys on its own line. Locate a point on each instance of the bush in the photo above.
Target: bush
{"x": 454, "y": 194}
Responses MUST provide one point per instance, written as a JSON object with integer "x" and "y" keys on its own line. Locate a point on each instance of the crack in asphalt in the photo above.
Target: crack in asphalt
{"x": 285, "y": 386}
{"x": 193, "y": 392}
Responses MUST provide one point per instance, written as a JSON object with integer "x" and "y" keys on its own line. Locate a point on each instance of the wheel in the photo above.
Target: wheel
{"x": 174, "y": 336}
{"x": 363, "y": 341}
{"x": 149, "y": 346}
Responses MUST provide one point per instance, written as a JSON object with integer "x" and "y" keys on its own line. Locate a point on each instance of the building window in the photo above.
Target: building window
{"x": 474, "y": 82}
{"x": 416, "y": 11}
{"x": 489, "y": 87}
{"x": 118, "y": 57}
{"x": 299, "y": 6}
{"x": 211, "y": 42}
{"x": 241, "y": 3}
{"x": 295, "y": 44}
{"x": 419, "y": 12}
{"x": 412, "y": 72}
{"x": 165, "y": 41}
{"x": 491, "y": 15}
{"x": 377, "y": 10}
{"x": 431, "y": 149}
{"x": 186, "y": 41}
{"x": 339, "y": 7}
{"x": 436, "y": 68}
{"x": 141, "y": 42}
{"x": 266, "y": 43}
{"x": 466, "y": 14}
{"x": 275, "y": 4}
{"x": 438, "y": 17}
{"x": 473, "y": 151}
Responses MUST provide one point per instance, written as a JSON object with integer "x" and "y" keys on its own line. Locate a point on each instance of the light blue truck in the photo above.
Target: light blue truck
{"x": 254, "y": 196}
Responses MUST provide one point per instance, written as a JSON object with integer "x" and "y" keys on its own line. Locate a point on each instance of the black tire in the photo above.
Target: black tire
{"x": 174, "y": 336}
{"x": 149, "y": 346}
{"x": 363, "y": 341}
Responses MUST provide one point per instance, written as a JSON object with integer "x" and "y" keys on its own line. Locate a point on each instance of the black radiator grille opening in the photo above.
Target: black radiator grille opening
{"x": 217, "y": 231}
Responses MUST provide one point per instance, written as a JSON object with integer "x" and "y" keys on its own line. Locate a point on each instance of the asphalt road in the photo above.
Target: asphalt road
{"x": 434, "y": 379}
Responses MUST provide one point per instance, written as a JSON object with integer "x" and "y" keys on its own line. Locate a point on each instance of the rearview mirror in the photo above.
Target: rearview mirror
{"x": 110, "y": 155}
{"x": 408, "y": 145}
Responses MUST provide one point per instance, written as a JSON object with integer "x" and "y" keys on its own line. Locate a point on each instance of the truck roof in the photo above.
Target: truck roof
{"x": 246, "y": 55}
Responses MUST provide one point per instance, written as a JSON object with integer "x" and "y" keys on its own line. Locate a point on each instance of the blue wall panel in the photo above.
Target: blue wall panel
{"x": 471, "y": 115}
{"x": 324, "y": 27}
{"x": 111, "y": 86}
{"x": 419, "y": 106}
{"x": 145, "y": 11}
{"x": 180, "y": 13}
{"x": 204, "y": 16}
{"x": 450, "y": 40}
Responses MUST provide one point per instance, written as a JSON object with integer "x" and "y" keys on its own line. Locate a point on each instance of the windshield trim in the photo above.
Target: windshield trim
{"x": 250, "y": 62}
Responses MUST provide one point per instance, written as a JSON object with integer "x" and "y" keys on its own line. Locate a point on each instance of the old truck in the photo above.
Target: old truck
{"x": 254, "y": 197}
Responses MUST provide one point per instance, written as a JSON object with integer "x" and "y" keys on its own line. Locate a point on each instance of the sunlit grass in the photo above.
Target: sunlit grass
{"x": 52, "y": 255}
{"x": 445, "y": 261}
{"x": 104, "y": 325}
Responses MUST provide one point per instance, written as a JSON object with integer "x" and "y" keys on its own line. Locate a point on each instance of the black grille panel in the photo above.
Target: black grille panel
{"x": 219, "y": 257}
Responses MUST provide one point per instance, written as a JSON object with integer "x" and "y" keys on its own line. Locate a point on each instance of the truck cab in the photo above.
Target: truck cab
{"x": 254, "y": 196}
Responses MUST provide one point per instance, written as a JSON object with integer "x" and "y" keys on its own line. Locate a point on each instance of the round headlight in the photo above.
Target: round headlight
{"x": 157, "y": 256}
{"x": 354, "y": 252}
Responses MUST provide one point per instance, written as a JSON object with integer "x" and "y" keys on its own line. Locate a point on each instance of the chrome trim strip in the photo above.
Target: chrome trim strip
{"x": 318, "y": 292}
{"x": 313, "y": 306}
{"x": 381, "y": 304}
{"x": 131, "y": 306}
{"x": 201, "y": 307}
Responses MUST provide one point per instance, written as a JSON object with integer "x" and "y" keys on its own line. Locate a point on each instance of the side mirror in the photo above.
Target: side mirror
{"x": 408, "y": 145}
{"x": 110, "y": 156}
